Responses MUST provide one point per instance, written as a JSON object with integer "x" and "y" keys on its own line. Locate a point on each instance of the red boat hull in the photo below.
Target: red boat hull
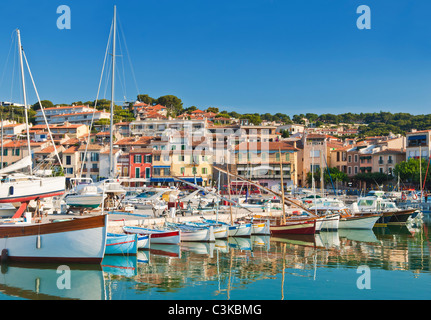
{"x": 294, "y": 227}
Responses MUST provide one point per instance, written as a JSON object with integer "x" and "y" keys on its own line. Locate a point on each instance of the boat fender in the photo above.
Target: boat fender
{"x": 403, "y": 196}
{"x": 4, "y": 255}
{"x": 38, "y": 242}
{"x": 415, "y": 196}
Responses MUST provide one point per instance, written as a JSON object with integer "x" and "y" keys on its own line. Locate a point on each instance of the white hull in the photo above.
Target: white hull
{"x": 330, "y": 222}
{"x": 240, "y": 230}
{"x": 143, "y": 242}
{"x": 358, "y": 222}
{"x": 220, "y": 232}
{"x": 27, "y": 189}
{"x": 87, "y": 200}
{"x": 261, "y": 228}
{"x": 86, "y": 244}
{"x": 157, "y": 236}
{"x": 202, "y": 235}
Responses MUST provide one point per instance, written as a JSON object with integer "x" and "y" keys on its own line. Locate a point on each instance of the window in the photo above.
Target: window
{"x": 183, "y": 170}
{"x": 356, "y": 170}
{"x": 277, "y": 156}
{"x": 350, "y": 159}
{"x": 5, "y": 152}
{"x": 156, "y": 158}
{"x": 147, "y": 173}
{"x": 204, "y": 171}
{"x": 94, "y": 156}
{"x": 137, "y": 172}
{"x": 194, "y": 170}
{"x": 287, "y": 156}
{"x": 349, "y": 170}
{"x": 68, "y": 160}
{"x": 157, "y": 171}
{"x": 137, "y": 158}
{"x": 180, "y": 158}
{"x": 356, "y": 158}
{"x": 314, "y": 153}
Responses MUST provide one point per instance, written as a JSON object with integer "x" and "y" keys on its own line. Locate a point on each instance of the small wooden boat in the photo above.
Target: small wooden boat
{"x": 81, "y": 240}
{"x": 258, "y": 227}
{"x": 193, "y": 233}
{"x": 294, "y": 227}
{"x": 143, "y": 241}
{"x": 220, "y": 231}
{"x": 236, "y": 229}
{"x": 121, "y": 243}
{"x": 161, "y": 236}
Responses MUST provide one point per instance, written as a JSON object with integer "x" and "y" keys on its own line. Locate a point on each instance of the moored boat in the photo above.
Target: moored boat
{"x": 192, "y": 233}
{"x": 81, "y": 240}
{"x": 358, "y": 221}
{"x": 294, "y": 227}
{"x": 220, "y": 231}
{"x": 160, "y": 236}
{"x": 121, "y": 244}
{"x": 236, "y": 229}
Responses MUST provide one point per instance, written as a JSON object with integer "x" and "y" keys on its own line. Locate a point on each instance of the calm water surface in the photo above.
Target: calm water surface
{"x": 323, "y": 266}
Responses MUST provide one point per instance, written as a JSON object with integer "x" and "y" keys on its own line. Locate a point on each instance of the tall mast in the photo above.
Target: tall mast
{"x": 24, "y": 94}
{"x": 111, "y": 138}
{"x": 282, "y": 186}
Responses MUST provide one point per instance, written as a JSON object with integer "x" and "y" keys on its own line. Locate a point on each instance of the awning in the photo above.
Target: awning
{"x": 423, "y": 137}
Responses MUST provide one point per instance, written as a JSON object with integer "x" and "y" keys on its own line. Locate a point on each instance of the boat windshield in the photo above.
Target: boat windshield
{"x": 365, "y": 203}
{"x": 146, "y": 194}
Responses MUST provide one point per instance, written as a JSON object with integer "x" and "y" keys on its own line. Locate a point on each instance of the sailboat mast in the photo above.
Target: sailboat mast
{"x": 24, "y": 94}
{"x": 111, "y": 139}
{"x": 282, "y": 186}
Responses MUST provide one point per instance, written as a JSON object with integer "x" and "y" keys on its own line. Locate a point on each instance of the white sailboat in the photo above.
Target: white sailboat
{"x": 74, "y": 241}
{"x": 17, "y": 188}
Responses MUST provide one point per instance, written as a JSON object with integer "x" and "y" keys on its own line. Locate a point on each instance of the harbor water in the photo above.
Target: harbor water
{"x": 379, "y": 264}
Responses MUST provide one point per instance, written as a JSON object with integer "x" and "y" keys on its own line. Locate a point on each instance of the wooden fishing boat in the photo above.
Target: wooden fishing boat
{"x": 293, "y": 227}
{"x": 121, "y": 244}
{"x": 81, "y": 240}
{"x": 143, "y": 241}
{"x": 160, "y": 236}
{"x": 236, "y": 229}
{"x": 220, "y": 230}
{"x": 193, "y": 233}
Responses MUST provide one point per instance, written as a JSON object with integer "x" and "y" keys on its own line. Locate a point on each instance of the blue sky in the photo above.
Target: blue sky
{"x": 261, "y": 56}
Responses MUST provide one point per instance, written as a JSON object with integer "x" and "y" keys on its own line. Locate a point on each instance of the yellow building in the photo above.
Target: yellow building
{"x": 185, "y": 164}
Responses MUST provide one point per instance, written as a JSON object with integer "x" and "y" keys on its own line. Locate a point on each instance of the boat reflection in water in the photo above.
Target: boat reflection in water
{"x": 49, "y": 282}
{"x": 238, "y": 268}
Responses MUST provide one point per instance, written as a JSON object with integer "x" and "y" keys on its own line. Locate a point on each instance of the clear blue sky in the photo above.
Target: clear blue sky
{"x": 293, "y": 56}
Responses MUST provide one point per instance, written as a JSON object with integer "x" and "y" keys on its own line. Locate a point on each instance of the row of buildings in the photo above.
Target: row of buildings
{"x": 155, "y": 149}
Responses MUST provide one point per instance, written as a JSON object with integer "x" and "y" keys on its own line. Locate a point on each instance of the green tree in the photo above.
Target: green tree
{"x": 45, "y": 104}
{"x": 213, "y": 109}
{"x": 410, "y": 171}
{"x": 172, "y": 103}
{"x": 145, "y": 98}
